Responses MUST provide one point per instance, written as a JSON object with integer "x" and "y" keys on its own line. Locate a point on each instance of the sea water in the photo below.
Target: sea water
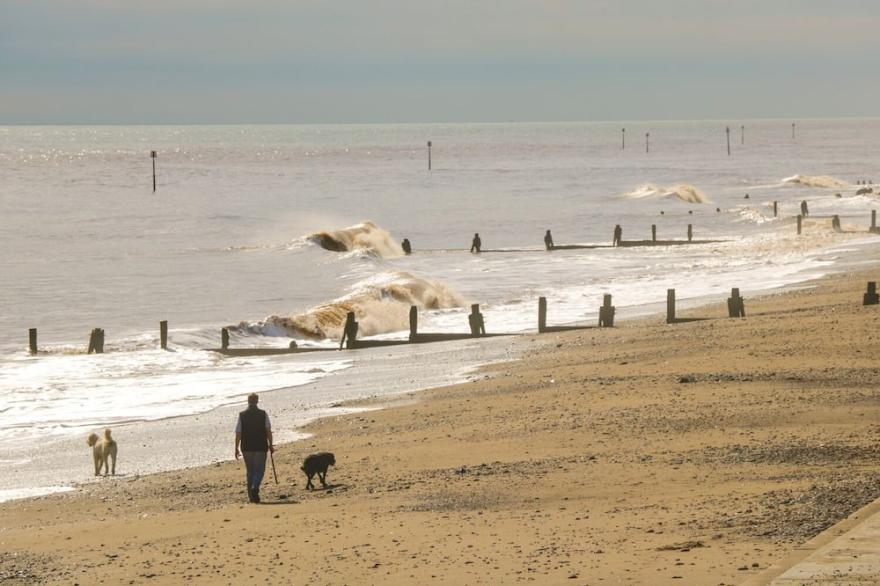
{"x": 231, "y": 238}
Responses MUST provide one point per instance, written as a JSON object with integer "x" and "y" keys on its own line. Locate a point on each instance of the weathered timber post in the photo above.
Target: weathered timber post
{"x": 653, "y": 232}
{"x": 163, "y": 334}
{"x": 792, "y": 131}
{"x": 32, "y": 340}
{"x": 873, "y": 220}
{"x": 606, "y": 312}
{"x": 622, "y": 138}
{"x": 800, "y": 221}
{"x": 96, "y": 341}
{"x": 775, "y": 209}
{"x": 647, "y": 138}
{"x": 690, "y": 232}
{"x": 349, "y": 332}
{"x": 542, "y": 314}
{"x": 728, "y": 141}
{"x": 742, "y": 134}
{"x": 475, "y": 320}
{"x": 100, "y": 348}
{"x": 670, "y": 306}
{"x": 224, "y": 339}
{"x": 835, "y": 223}
{"x": 429, "y": 155}
{"x": 413, "y": 322}
{"x": 153, "y": 156}
{"x": 735, "y": 304}
{"x": 871, "y": 297}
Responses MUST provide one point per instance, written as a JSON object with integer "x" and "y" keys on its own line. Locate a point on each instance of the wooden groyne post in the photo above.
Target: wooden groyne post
{"x": 647, "y": 142}
{"x": 623, "y": 139}
{"x": 349, "y": 332}
{"x": 728, "y": 141}
{"x": 735, "y": 304}
{"x": 670, "y": 306}
{"x": 690, "y": 232}
{"x": 224, "y": 339}
{"x": 606, "y": 312}
{"x": 542, "y": 315}
{"x": 742, "y": 134}
{"x": 871, "y": 297}
{"x": 96, "y": 341}
{"x": 653, "y": 232}
{"x": 800, "y": 222}
{"x": 413, "y": 322}
{"x": 32, "y": 340}
{"x": 874, "y": 221}
{"x": 153, "y": 156}
{"x": 835, "y": 223}
{"x": 775, "y": 209}
{"x": 163, "y": 334}
{"x": 475, "y": 320}
{"x": 429, "y": 155}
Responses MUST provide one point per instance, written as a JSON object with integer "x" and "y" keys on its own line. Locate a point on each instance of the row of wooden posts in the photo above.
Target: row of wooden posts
{"x": 476, "y": 323}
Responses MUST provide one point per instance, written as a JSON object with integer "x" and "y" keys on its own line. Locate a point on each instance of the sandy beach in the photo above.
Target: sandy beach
{"x": 694, "y": 453}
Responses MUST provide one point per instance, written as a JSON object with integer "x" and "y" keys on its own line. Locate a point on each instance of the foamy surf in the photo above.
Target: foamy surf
{"x": 823, "y": 181}
{"x": 381, "y": 304}
{"x": 684, "y": 192}
{"x": 366, "y": 236}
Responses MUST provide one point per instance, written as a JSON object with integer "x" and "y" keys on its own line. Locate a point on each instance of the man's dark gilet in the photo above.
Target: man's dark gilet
{"x": 253, "y": 430}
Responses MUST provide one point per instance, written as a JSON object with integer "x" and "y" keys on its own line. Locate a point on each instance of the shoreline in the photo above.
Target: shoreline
{"x": 605, "y": 454}
{"x": 143, "y": 434}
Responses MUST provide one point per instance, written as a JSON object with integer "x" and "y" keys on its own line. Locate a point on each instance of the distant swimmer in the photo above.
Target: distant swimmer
{"x": 805, "y": 211}
{"x": 406, "y": 246}
{"x": 476, "y": 243}
{"x": 548, "y": 240}
{"x": 618, "y": 235}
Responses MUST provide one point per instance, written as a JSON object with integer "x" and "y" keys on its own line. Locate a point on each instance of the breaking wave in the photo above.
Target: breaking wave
{"x": 826, "y": 181}
{"x": 684, "y": 192}
{"x": 365, "y": 236}
{"x": 381, "y": 305}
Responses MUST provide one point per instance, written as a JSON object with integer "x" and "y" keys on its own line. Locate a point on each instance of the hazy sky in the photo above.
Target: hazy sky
{"x": 155, "y": 61}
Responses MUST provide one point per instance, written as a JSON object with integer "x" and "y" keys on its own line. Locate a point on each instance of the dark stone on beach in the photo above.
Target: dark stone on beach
{"x": 686, "y": 379}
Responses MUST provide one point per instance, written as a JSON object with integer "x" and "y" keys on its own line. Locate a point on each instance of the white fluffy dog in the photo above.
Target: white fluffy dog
{"x": 103, "y": 450}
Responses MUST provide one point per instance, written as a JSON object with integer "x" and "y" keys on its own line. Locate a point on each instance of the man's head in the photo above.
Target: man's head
{"x": 253, "y": 399}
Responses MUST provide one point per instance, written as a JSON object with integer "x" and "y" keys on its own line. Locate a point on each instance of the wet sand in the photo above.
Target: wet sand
{"x": 697, "y": 453}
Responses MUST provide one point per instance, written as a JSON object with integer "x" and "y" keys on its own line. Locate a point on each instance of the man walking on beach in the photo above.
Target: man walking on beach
{"x": 253, "y": 433}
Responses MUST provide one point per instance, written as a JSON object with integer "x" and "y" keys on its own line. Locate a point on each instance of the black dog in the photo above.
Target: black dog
{"x": 317, "y": 464}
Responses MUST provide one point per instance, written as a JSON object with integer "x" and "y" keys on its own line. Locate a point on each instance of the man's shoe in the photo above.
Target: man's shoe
{"x": 250, "y": 495}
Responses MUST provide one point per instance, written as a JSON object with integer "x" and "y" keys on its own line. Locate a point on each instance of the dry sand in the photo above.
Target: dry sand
{"x": 696, "y": 453}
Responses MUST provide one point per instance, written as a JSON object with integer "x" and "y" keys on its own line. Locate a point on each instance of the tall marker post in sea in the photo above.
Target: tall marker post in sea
{"x": 429, "y": 155}
{"x": 728, "y": 141}
{"x": 153, "y": 156}
{"x": 647, "y": 143}
{"x": 742, "y": 134}
{"x": 792, "y": 131}
{"x": 623, "y": 139}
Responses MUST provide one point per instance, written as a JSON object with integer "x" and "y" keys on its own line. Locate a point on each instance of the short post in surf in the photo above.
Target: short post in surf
{"x": 670, "y": 306}
{"x": 349, "y": 332}
{"x": 728, "y": 141}
{"x": 871, "y": 297}
{"x": 153, "y": 156}
{"x": 690, "y": 232}
{"x": 647, "y": 142}
{"x": 429, "y": 155}
{"x": 163, "y": 334}
{"x": 32, "y": 340}
{"x": 623, "y": 139}
{"x": 96, "y": 341}
{"x": 475, "y": 320}
{"x": 800, "y": 224}
{"x": 735, "y": 304}
{"x": 775, "y": 209}
{"x": 606, "y": 312}
{"x": 742, "y": 134}
{"x": 413, "y": 323}
{"x": 542, "y": 314}
{"x": 874, "y": 221}
{"x": 653, "y": 232}
{"x": 835, "y": 223}
{"x": 224, "y": 339}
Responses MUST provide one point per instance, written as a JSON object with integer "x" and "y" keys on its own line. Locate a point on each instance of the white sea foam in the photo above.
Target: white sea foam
{"x": 825, "y": 181}
{"x": 685, "y": 193}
